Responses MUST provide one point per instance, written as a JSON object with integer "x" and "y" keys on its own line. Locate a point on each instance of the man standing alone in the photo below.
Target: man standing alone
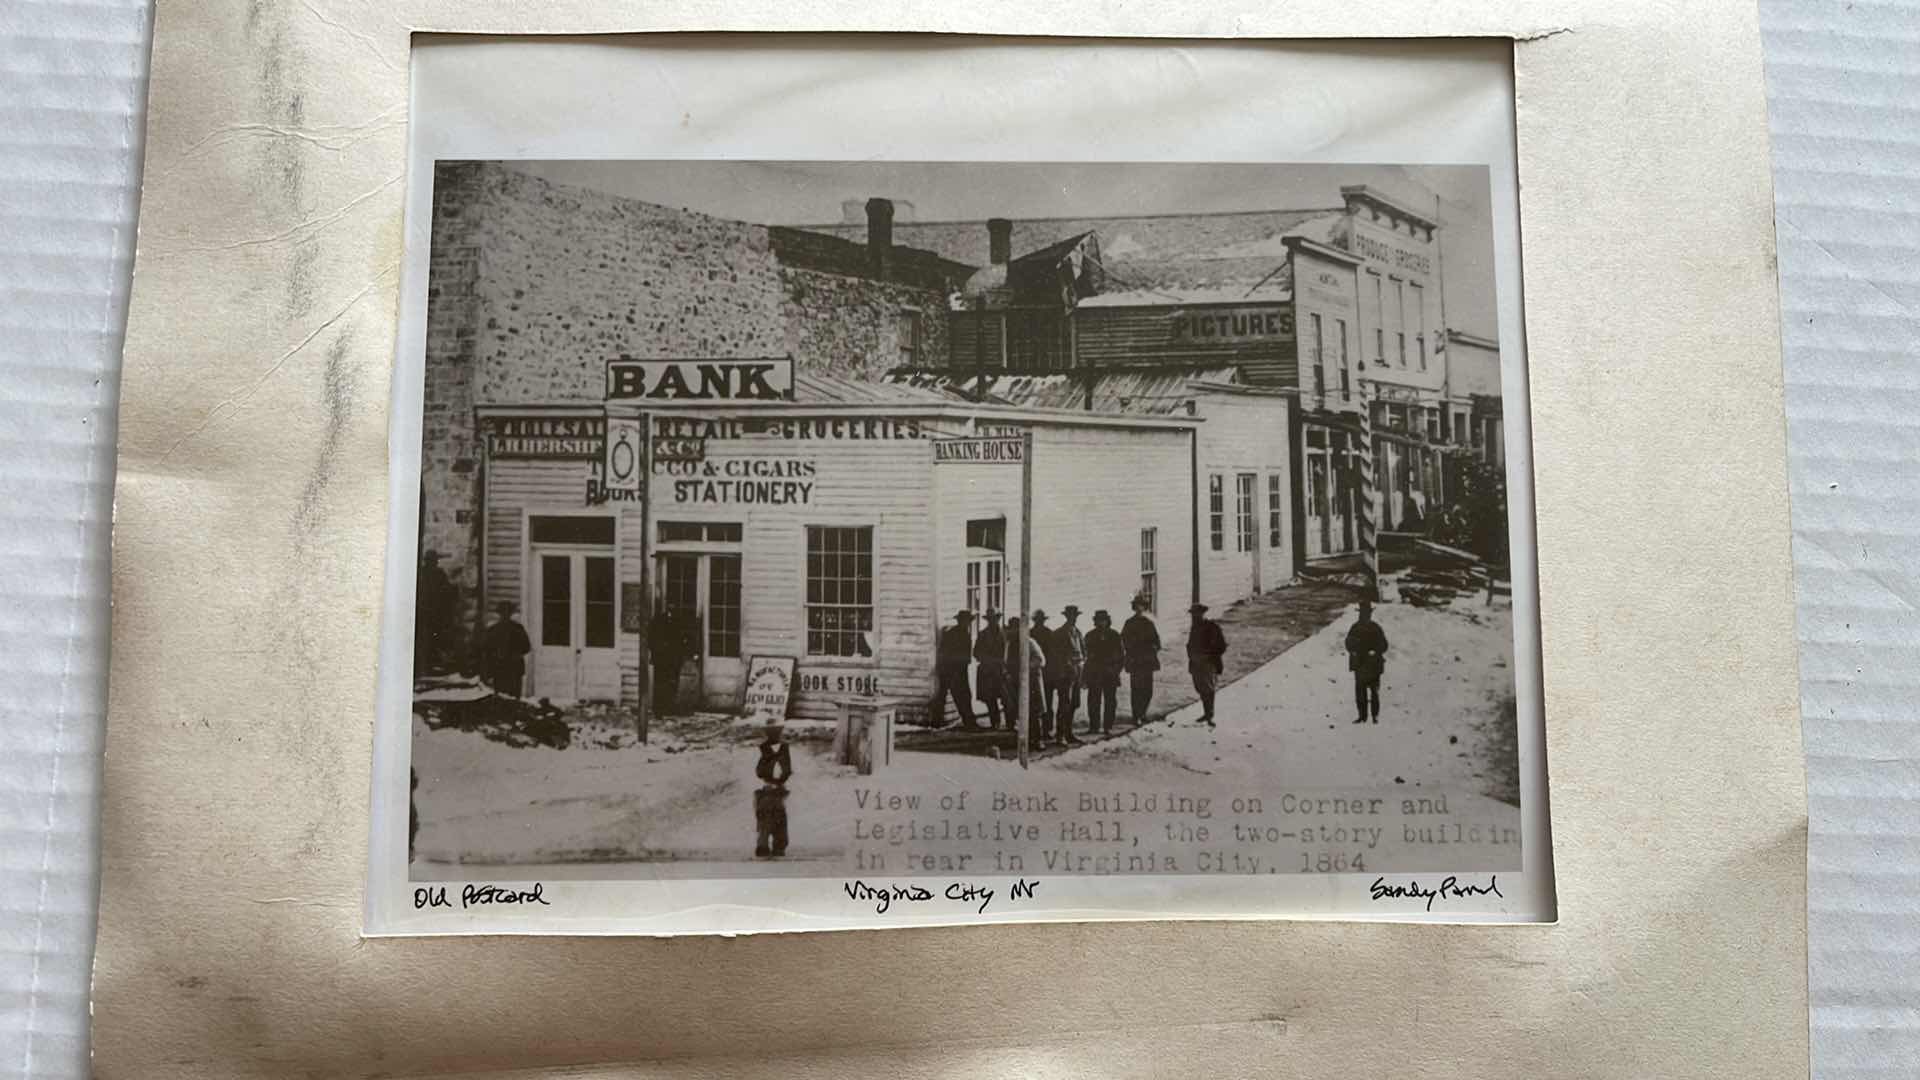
{"x": 1140, "y": 644}
{"x": 670, "y": 641}
{"x": 950, "y": 673}
{"x": 1206, "y": 645}
{"x": 1104, "y": 657}
{"x": 504, "y": 652}
{"x": 1367, "y": 659}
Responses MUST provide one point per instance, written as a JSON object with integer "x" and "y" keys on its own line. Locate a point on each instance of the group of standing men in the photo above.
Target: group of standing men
{"x": 1062, "y": 667}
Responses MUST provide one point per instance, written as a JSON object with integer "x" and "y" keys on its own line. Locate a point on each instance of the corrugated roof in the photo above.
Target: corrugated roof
{"x": 1128, "y": 391}
{"x": 809, "y": 389}
{"x": 1222, "y": 294}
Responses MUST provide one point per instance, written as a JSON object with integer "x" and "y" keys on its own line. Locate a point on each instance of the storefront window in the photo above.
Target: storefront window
{"x": 1149, "y": 567}
{"x": 1273, "y": 510}
{"x": 839, "y": 591}
{"x": 600, "y": 602}
{"x": 723, "y": 606}
{"x": 1217, "y": 512}
{"x": 1243, "y": 511}
{"x": 556, "y": 600}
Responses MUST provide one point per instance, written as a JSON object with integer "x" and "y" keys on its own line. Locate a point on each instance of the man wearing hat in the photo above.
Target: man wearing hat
{"x": 990, "y": 654}
{"x": 435, "y": 600}
{"x": 1066, "y": 665}
{"x": 1105, "y": 654}
{"x": 503, "y": 653}
{"x": 1040, "y": 646}
{"x": 1367, "y": 659}
{"x": 950, "y": 673}
{"x": 1140, "y": 640}
{"x": 1206, "y": 644}
{"x": 774, "y": 769}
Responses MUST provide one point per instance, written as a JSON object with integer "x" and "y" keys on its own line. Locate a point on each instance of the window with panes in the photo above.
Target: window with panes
{"x": 839, "y": 590}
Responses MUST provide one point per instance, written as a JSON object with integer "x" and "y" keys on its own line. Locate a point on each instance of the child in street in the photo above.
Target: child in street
{"x": 770, "y": 801}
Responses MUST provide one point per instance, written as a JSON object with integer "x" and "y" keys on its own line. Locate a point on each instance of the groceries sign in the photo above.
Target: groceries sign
{"x": 700, "y": 382}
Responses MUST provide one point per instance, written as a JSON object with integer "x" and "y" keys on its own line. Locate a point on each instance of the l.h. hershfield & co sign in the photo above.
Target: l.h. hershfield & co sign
{"x": 701, "y": 382}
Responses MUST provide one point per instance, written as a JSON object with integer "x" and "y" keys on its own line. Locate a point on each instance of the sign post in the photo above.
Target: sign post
{"x": 1024, "y": 693}
{"x": 645, "y": 673}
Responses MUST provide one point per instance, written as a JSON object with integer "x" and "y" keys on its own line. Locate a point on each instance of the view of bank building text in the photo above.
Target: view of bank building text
{"x": 946, "y": 539}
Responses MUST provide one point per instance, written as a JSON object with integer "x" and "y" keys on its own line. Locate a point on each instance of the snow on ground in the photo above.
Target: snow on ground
{"x": 1285, "y": 739}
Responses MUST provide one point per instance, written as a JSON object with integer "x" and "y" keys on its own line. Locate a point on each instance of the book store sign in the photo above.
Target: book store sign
{"x": 700, "y": 382}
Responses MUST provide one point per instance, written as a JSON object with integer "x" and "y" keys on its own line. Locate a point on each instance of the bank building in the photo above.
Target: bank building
{"x": 838, "y": 420}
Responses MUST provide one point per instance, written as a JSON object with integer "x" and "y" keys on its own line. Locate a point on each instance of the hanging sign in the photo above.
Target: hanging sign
{"x": 691, "y": 382}
{"x": 623, "y": 454}
{"x": 995, "y": 451}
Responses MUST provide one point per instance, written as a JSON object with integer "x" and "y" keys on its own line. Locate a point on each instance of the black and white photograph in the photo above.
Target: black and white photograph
{"x": 879, "y": 521}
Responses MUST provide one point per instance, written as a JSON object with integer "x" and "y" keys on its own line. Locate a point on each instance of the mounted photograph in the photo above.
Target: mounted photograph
{"x": 875, "y": 521}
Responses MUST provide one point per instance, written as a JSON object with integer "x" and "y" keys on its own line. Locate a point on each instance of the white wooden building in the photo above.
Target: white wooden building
{"x": 825, "y": 528}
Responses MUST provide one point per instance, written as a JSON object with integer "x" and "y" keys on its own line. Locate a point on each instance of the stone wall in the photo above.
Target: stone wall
{"x": 534, "y": 286}
{"x": 851, "y": 326}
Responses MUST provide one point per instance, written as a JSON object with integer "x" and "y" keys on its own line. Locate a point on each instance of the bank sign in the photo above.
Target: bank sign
{"x": 700, "y": 382}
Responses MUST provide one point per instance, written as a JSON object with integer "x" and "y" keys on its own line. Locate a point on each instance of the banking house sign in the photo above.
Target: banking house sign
{"x": 701, "y": 382}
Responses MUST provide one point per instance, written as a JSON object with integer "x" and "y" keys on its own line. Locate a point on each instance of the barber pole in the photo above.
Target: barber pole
{"x": 1369, "y": 532}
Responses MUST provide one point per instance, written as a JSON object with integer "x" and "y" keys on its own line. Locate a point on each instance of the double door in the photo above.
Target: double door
{"x": 576, "y": 656}
{"x": 706, "y": 586}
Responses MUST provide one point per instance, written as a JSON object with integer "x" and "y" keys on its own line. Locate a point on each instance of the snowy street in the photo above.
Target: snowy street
{"x": 1273, "y": 788}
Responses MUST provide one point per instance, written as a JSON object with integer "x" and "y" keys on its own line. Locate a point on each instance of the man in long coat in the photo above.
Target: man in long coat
{"x": 504, "y": 652}
{"x": 1105, "y": 655}
{"x": 1206, "y": 647}
{"x": 950, "y": 662}
{"x": 671, "y": 640}
{"x": 1140, "y": 641}
{"x": 1066, "y": 664}
{"x": 990, "y": 680}
{"x": 1367, "y": 659}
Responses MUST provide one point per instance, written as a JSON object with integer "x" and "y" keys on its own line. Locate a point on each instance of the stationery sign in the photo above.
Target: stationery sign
{"x": 769, "y": 688}
{"x": 623, "y": 454}
{"x": 700, "y": 382}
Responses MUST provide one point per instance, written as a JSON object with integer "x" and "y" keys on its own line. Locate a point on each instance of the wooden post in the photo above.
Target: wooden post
{"x": 645, "y": 675}
{"x": 1025, "y": 695}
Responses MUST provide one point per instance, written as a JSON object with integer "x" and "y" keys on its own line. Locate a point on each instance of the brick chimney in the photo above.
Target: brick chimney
{"x": 880, "y": 238}
{"x": 999, "y": 240}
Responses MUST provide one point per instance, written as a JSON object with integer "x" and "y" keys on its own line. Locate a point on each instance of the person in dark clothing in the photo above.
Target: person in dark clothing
{"x": 774, "y": 768}
{"x": 436, "y": 601}
{"x": 990, "y": 680}
{"x": 503, "y": 653}
{"x": 671, "y": 640}
{"x": 1105, "y": 656}
{"x": 1367, "y": 659}
{"x": 1066, "y": 665}
{"x": 950, "y": 674}
{"x": 1206, "y": 645}
{"x": 1140, "y": 643}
